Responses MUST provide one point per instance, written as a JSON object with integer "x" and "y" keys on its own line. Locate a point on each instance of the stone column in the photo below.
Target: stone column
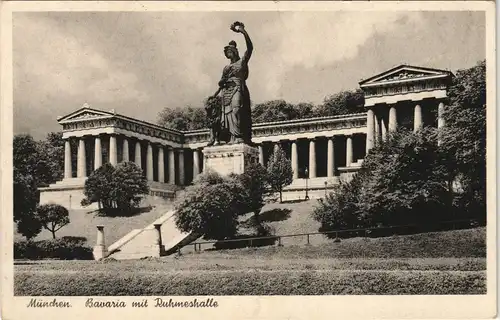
{"x": 113, "y": 155}
{"x": 441, "y": 122}
{"x": 376, "y": 128}
{"x": 417, "y": 121}
{"x": 97, "y": 153}
{"x": 68, "y": 172}
{"x": 181, "y": 167}
{"x": 261, "y": 154}
{"x": 138, "y": 160}
{"x": 312, "y": 159}
{"x": 330, "y": 158}
{"x": 125, "y": 150}
{"x": 161, "y": 164}
{"x": 393, "y": 120}
{"x": 276, "y": 146}
{"x": 349, "y": 157}
{"x": 171, "y": 166}
{"x": 370, "y": 130}
{"x": 440, "y": 115}
{"x": 82, "y": 159}
{"x": 295, "y": 160}
{"x": 100, "y": 247}
{"x": 383, "y": 129}
{"x": 158, "y": 246}
{"x": 149, "y": 162}
{"x": 196, "y": 163}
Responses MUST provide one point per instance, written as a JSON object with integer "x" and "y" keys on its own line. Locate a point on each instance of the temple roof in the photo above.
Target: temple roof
{"x": 405, "y": 73}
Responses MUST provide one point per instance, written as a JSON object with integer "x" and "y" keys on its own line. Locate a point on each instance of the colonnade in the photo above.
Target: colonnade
{"x": 376, "y": 126}
{"x": 312, "y": 155}
{"x": 113, "y": 148}
{"x": 165, "y": 164}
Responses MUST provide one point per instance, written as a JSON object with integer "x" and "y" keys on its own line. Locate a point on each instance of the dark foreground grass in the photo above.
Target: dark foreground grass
{"x": 227, "y": 263}
{"x": 251, "y": 282}
{"x": 441, "y": 263}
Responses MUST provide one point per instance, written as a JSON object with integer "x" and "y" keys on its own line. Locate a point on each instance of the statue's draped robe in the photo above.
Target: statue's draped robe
{"x": 236, "y": 113}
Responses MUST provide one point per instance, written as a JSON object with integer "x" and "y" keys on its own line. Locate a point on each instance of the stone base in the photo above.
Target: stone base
{"x": 99, "y": 252}
{"x": 229, "y": 158}
{"x": 69, "y": 193}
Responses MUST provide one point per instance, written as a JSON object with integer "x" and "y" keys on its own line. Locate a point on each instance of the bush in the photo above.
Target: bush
{"x": 66, "y": 248}
{"x": 211, "y": 206}
{"x": 254, "y": 180}
{"x": 250, "y": 282}
{"x": 116, "y": 189}
{"x": 401, "y": 182}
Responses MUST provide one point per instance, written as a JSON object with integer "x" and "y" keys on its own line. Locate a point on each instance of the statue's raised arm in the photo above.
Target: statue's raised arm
{"x": 240, "y": 28}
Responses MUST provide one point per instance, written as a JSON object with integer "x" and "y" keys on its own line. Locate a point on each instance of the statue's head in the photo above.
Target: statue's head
{"x": 230, "y": 50}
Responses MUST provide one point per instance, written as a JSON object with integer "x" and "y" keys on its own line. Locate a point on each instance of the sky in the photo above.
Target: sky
{"x": 137, "y": 63}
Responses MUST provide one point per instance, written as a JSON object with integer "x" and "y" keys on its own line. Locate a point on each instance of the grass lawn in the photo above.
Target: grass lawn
{"x": 83, "y": 223}
{"x": 451, "y": 262}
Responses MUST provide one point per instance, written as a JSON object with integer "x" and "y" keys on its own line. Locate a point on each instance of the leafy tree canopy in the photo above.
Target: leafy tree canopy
{"x": 211, "y": 206}
{"x": 121, "y": 187}
{"x": 279, "y": 171}
{"x": 52, "y": 217}
{"x": 192, "y": 118}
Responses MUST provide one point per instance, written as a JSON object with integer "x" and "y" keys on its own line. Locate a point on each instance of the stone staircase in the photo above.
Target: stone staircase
{"x": 142, "y": 243}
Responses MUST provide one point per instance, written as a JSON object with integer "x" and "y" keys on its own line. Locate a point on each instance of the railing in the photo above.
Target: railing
{"x": 365, "y": 232}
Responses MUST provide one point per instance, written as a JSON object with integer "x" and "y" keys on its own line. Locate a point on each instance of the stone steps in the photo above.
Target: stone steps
{"x": 141, "y": 243}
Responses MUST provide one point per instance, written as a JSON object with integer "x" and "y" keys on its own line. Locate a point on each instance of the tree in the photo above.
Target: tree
{"x": 29, "y": 173}
{"x": 254, "y": 181}
{"x": 211, "y": 206}
{"x": 400, "y": 182}
{"x": 189, "y": 118}
{"x": 99, "y": 186}
{"x": 130, "y": 185}
{"x": 464, "y": 137}
{"x": 279, "y": 171}
{"x": 344, "y": 102}
{"x": 25, "y": 202}
{"x": 404, "y": 184}
{"x": 280, "y": 110}
{"x": 52, "y": 217}
{"x": 52, "y": 151}
{"x": 116, "y": 188}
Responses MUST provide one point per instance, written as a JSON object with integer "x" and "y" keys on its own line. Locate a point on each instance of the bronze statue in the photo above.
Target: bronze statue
{"x": 235, "y": 113}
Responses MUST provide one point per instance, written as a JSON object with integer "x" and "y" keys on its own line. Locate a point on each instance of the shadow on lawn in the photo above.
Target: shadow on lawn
{"x": 116, "y": 212}
{"x": 277, "y": 214}
{"x": 246, "y": 241}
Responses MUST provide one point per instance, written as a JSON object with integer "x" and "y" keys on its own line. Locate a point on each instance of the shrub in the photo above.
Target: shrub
{"x": 250, "y": 282}
{"x": 65, "y": 248}
{"x": 211, "y": 206}
{"x": 254, "y": 180}
{"x": 401, "y": 182}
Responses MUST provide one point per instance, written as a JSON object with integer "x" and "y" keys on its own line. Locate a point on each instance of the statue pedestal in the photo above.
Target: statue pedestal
{"x": 229, "y": 158}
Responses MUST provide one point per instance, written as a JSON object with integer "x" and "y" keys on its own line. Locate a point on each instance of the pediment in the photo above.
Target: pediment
{"x": 84, "y": 114}
{"x": 404, "y": 73}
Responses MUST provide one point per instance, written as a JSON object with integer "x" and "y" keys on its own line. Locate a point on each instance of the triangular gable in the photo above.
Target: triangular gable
{"x": 405, "y": 72}
{"x": 85, "y": 113}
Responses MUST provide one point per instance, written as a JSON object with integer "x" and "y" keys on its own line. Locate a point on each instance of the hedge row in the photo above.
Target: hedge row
{"x": 331, "y": 282}
{"x": 62, "y": 248}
